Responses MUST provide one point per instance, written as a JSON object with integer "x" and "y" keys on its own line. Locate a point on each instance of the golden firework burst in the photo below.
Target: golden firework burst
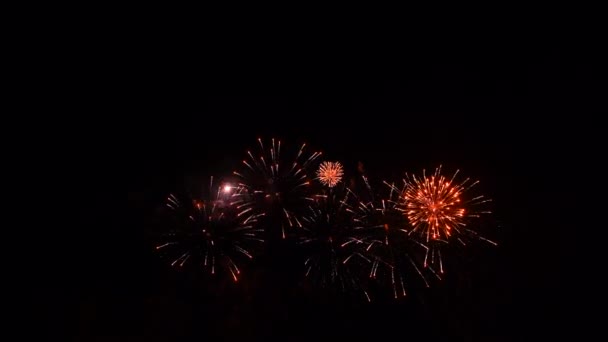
{"x": 434, "y": 205}
{"x": 330, "y": 173}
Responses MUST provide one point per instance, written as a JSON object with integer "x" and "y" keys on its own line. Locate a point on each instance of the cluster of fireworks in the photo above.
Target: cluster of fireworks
{"x": 353, "y": 237}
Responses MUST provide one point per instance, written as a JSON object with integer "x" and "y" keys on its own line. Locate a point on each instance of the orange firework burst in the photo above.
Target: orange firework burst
{"x": 330, "y": 173}
{"x": 435, "y": 206}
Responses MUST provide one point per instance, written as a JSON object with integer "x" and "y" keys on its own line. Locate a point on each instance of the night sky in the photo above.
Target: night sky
{"x": 167, "y": 120}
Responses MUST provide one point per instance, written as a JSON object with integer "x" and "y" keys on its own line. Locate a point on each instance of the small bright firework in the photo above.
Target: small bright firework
{"x": 330, "y": 173}
{"x": 335, "y": 249}
{"x": 209, "y": 233}
{"x": 276, "y": 184}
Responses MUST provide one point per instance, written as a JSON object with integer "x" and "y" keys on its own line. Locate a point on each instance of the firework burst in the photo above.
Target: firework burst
{"x": 438, "y": 208}
{"x": 435, "y": 212}
{"x": 396, "y": 258}
{"x": 276, "y": 183}
{"x": 335, "y": 248}
{"x": 330, "y": 173}
{"x": 210, "y": 232}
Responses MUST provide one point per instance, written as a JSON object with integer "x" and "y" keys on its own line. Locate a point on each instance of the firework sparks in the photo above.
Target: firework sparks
{"x": 275, "y": 183}
{"x": 435, "y": 205}
{"x": 436, "y": 211}
{"x": 397, "y": 257}
{"x": 330, "y": 173}
{"x": 351, "y": 235}
{"x": 336, "y": 250}
{"x": 210, "y": 233}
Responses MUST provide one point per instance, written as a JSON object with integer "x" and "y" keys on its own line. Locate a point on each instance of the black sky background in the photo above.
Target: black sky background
{"x": 166, "y": 118}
